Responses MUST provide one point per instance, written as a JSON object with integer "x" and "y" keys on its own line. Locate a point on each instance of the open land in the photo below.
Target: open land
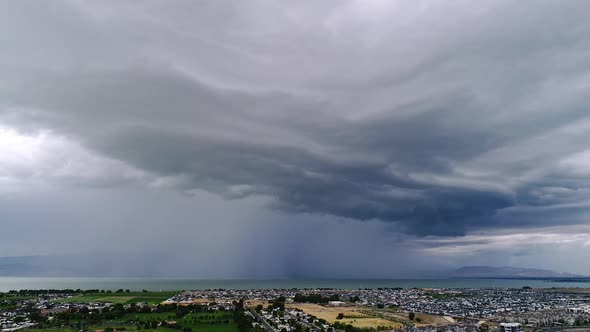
{"x": 123, "y": 297}
{"x": 296, "y": 310}
{"x": 354, "y": 315}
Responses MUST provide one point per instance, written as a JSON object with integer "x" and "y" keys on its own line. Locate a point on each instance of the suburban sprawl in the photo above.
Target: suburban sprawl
{"x": 297, "y": 310}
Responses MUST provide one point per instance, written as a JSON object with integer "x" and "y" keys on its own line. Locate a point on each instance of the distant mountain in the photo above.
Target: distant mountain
{"x": 122, "y": 265}
{"x": 508, "y": 272}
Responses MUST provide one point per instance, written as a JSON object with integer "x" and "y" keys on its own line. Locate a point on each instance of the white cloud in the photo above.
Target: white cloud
{"x": 30, "y": 160}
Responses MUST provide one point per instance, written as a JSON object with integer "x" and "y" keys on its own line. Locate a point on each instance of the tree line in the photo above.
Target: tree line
{"x": 315, "y": 298}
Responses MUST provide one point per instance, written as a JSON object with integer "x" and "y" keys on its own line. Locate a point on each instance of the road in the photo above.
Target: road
{"x": 262, "y": 321}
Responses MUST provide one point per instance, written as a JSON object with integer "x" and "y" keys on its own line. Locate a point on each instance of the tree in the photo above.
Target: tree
{"x": 340, "y": 316}
{"x": 279, "y": 302}
{"x": 412, "y": 316}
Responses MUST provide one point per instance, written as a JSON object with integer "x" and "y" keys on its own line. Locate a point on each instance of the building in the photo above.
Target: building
{"x": 336, "y": 303}
{"x": 511, "y": 327}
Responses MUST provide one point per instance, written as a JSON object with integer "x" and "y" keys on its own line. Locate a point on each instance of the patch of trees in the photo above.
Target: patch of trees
{"x": 242, "y": 320}
{"x": 278, "y": 303}
{"x": 315, "y": 298}
{"x": 349, "y": 328}
{"x": 74, "y": 316}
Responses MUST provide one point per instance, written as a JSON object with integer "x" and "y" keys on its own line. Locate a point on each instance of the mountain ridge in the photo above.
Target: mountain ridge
{"x": 484, "y": 271}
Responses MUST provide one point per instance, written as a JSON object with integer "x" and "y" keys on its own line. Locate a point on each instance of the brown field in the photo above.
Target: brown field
{"x": 201, "y": 301}
{"x": 254, "y": 303}
{"x": 431, "y": 320}
{"x": 425, "y": 319}
{"x": 353, "y": 315}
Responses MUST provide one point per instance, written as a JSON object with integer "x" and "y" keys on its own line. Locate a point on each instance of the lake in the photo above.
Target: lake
{"x": 16, "y": 283}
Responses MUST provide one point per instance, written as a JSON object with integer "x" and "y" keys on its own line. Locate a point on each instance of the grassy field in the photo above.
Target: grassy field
{"x": 254, "y": 303}
{"x": 209, "y": 322}
{"x": 159, "y": 316}
{"x": 425, "y": 319}
{"x": 60, "y": 329}
{"x": 211, "y": 328}
{"x": 123, "y": 298}
{"x": 5, "y": 296}
{"x": 127, "y": 328}
{"x": 198, "y": 322}
{"x": 352, "y": 315}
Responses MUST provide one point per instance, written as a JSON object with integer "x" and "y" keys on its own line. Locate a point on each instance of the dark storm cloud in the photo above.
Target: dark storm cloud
{"x": 300, "y": 180}
{"x": 446, "y": 124}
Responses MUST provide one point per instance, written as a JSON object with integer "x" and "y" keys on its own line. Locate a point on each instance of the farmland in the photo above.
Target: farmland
{"x": 122, "y": 297}
{"x": 197, "y": 321}
{"x": 182, "y": 319}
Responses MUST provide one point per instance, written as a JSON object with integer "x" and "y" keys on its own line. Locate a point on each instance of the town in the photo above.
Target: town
{"x": 297, "y": 310}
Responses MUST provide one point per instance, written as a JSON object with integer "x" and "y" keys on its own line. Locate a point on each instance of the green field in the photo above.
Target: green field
{"x": 203, "y": 328}
{"x": 209, "y": 322}
{"x": 220, "y": 321}
{"x": 8, "y": 297}
{"x": 123, "y": 298}
{"x": 60, "y": 329}
{"x": 216, "y": 328}
{"x": 98, "y": 327}
{"x": 118, "y": 328}
{"x": 159, "y": 316}
{"x": 198, "y": 322}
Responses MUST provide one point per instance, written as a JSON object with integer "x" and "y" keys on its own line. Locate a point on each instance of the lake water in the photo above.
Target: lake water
{"x": 10, "y": 283}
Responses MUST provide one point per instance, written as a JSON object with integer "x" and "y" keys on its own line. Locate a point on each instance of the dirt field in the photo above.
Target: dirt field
{"x": 352, "y": 315}
{"x": 425, "y": 319}
{"x": 431, "y": 320}
{"x": 201, "y": 301}
{"x": 254, "y": 303}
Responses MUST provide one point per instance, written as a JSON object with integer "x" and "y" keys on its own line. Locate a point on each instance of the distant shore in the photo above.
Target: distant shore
{"x": 165, "y": 284}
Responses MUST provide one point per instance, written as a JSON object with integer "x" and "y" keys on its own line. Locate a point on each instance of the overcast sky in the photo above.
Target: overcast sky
{"x": 362, "y": 138}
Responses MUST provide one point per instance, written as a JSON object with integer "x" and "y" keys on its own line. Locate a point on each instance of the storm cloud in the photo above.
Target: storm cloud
{"x": 433, "y": 119}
